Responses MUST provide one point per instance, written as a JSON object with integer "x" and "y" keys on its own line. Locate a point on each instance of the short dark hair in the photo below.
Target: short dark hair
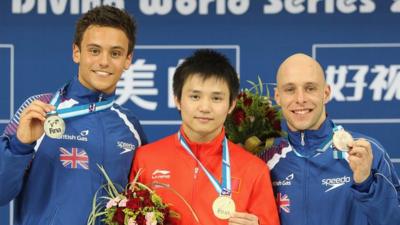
{"x": 107, "y": 16}
{"x": 206, "y": 63}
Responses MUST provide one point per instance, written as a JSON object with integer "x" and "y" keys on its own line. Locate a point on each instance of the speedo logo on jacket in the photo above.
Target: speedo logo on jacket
{"x": 334, "y": 183}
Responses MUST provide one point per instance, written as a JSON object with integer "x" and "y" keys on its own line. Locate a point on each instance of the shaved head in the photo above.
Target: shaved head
{"x": 297, "y": 63}
{"x": 302, "y": 92}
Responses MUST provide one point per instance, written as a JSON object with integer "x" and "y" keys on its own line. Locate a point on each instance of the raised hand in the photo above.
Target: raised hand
{"x": 31, "y": 122}
{"x": 360, "y": 159}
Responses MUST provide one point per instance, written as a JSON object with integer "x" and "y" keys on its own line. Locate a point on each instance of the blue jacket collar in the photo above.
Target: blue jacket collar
{"x": 83, "y": 95}
{"x": 308, "y": 141}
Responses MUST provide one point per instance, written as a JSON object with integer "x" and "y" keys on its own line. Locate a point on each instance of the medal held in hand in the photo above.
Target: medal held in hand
{"x": 223, "y": 207}
{"x": 341, "y": 140}
{"x": 54, "y": 126}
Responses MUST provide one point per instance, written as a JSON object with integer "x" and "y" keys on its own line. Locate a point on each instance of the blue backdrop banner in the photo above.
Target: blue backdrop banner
{"x": 357, "y": 43}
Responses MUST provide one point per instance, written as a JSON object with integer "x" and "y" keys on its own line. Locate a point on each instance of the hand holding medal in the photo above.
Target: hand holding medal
{"x": 360, "y": 160}
{"x": 30, "y": 127}
{"x": 360, "y": 153}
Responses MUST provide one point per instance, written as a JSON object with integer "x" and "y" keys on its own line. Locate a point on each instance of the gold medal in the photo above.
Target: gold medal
{"x": 54, "y": 126}
{"x": 223, "y": 207}
{"x": 341, "y": 140}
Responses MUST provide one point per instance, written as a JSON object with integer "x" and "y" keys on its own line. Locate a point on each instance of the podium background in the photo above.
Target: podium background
{"x": 358, "y": 44}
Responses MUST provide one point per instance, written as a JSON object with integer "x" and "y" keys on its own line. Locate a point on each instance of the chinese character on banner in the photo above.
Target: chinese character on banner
{"x": 136, "y": 82}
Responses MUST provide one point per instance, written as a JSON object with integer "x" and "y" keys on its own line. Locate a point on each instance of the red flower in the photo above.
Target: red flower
{"x": 119, "y": 216}
{"x": 133, "y": 203}
{"x": 141, "y": 220}
{"x": 143, "y": 193}
{"x": 242, "y": 95}
{"x": 247, "y": 101}
{"x": 238, "y": 116}
{"x": 277, "y": 125}
{"x": 270, "y": 114}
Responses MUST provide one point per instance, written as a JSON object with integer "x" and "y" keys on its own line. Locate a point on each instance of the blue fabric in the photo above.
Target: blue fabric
{"x": 318, "y": 189}
{"x": 48, "y": 187}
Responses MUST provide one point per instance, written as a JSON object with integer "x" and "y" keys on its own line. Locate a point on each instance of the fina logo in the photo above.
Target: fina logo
{"x": 60, "y": 6}
{"x": 334, "y": 183}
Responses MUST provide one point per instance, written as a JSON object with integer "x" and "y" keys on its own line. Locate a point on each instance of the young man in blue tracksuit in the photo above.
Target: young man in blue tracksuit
{"x": 53, "y": 179}
{"x": 315, "y": 183}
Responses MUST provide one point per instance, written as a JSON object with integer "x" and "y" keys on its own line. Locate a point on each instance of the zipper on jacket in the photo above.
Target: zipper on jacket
{"x": 306, "y": 191}
{"x": 196, "y": 171}
{"x": 100, "y": 97}
{"x": 302, "y": 139}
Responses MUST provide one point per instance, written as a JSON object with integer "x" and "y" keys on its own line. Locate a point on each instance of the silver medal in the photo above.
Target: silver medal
{"x": 54, "y": 126}
{"x": 341, "y": 140}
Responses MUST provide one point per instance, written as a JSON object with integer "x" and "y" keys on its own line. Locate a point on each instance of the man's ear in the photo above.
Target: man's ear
{"x": 232, "y": 106}
{"x": 128, "y": 61}
{"x": 327, "y": 93}
{"x": 276, "y": 96}
{"x": 76, "y": 53}
{"x": 177, "y": 103}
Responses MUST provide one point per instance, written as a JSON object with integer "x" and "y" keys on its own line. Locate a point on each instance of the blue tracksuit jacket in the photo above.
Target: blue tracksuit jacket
{"x": 53, "y": 181}
{"x": 314, "y": 187}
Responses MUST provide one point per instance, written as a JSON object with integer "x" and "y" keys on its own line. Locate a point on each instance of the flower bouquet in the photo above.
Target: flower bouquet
{"x": 255, "y": 121}
{"x": 137, "y": 204}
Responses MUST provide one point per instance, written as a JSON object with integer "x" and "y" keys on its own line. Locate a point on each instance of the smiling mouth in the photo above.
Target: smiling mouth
{"x": 102, "y": 73}
{"x": 301, "y": 111}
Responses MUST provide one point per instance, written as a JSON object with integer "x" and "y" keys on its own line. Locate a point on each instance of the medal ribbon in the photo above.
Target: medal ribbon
{"x": 225, "y": 187}
{"x": 77, "y": 110}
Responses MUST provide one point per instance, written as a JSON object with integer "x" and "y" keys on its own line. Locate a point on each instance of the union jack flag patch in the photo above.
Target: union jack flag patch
{"x": 74, "y": 158}
{"x": 283, "y": 202}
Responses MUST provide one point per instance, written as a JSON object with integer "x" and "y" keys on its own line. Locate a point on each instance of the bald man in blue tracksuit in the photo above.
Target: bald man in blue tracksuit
{"x": 314, "y": 182}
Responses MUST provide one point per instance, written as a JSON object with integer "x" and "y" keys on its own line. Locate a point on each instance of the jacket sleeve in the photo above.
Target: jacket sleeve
{"x": 379, "y": 196}
{"x": 262, "y": 201}
{"x": 15, "y": 158}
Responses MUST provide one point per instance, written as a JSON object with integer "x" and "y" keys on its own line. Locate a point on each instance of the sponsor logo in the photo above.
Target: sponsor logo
{"x": 127, "y": 147}
{"x": 286, "y": 182}
{"x": 161, "y": 174}
{"x": 81, "y": 137}
{"x": 334, "y": 183}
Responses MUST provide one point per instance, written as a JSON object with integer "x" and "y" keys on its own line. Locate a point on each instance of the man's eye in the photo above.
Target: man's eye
{"x": 194, "y": 97}
{"x": 289, "y": 90}
{"x": 310, "y": 89}
{"x": 217, "y": 99}
{"x": 116, "y": 54}
{"x": 94, "y": 51}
